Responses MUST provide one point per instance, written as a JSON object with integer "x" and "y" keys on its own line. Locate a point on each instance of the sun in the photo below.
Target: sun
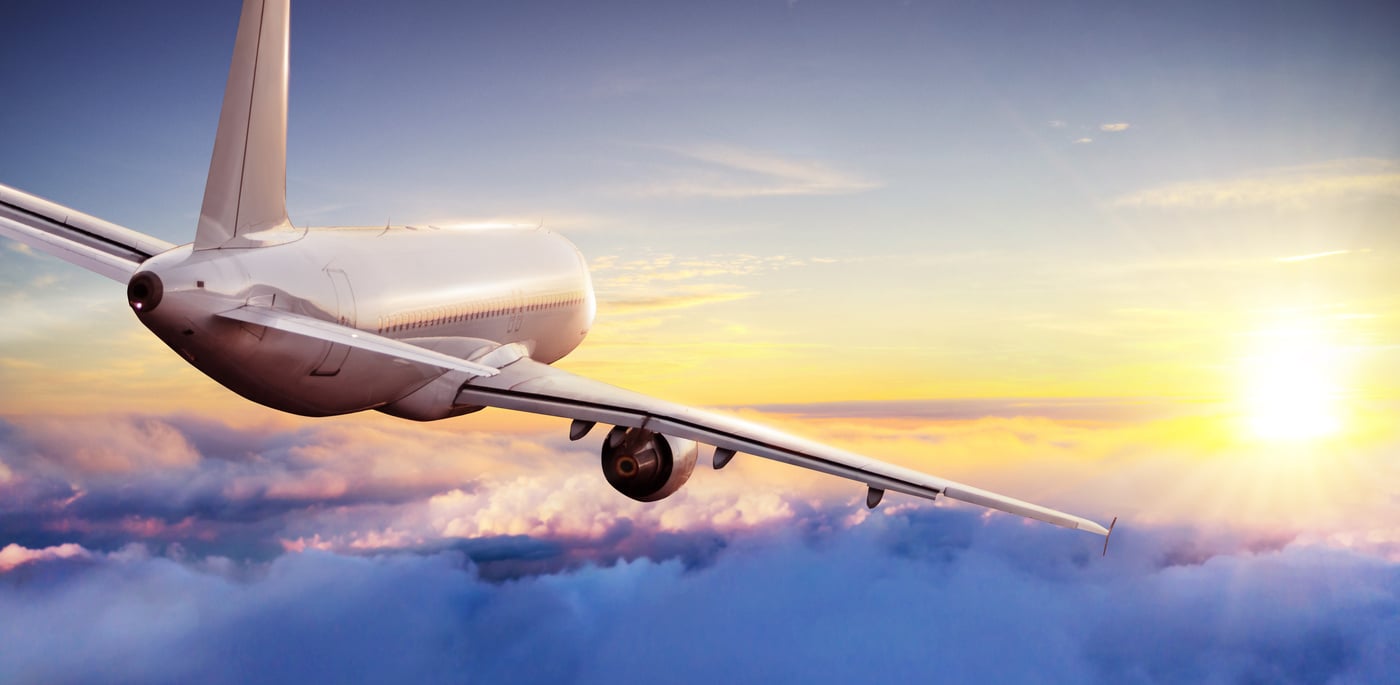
{"x": 1292, "y": 385}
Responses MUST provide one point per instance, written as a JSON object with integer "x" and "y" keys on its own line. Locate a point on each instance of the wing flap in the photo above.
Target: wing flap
{"x": 87, "y": 241}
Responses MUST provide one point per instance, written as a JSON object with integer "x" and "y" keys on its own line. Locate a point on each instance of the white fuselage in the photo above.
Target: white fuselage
{"x": 460, "y": 291}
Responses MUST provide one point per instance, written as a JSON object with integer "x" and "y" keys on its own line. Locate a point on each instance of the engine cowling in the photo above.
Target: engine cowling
{"x": 647, "y": 466}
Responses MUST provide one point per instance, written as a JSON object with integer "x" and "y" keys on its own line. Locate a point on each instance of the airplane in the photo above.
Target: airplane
{"x": 419, "y": 323}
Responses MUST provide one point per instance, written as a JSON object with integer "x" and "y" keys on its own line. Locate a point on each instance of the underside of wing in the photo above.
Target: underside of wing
{"x": 530, "y": 386}
{"x": 78, "y": 238}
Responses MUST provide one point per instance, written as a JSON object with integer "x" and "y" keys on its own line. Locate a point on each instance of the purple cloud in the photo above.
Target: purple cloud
{"x": 897, "y": 597}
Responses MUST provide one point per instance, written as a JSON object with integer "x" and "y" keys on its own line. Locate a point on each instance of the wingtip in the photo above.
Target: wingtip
{"x": 1108, "y": 534}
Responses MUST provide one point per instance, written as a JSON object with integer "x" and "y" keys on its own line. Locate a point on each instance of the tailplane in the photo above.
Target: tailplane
{"x": 245, "y": 198}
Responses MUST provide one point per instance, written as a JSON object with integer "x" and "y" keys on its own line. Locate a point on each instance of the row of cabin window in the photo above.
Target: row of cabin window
{"x": 534, "y": 305}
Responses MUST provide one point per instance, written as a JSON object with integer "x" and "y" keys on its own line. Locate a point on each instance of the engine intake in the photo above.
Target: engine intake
{"x": 647, "y": 466}
{"x": 144, "y": 291}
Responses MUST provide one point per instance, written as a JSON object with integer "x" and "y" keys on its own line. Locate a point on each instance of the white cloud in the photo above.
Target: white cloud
{"x": 1056, "y": 123}
{"x": 1083, "y": 141}
{"x": 726, "y": 171}
{"x": 562, "y": 505}
{"x": 1115, "y": 127}
{"x": 1289, "y": 187}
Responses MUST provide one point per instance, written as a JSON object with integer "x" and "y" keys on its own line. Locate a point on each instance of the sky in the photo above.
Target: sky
{"x": 1124, "y": 259}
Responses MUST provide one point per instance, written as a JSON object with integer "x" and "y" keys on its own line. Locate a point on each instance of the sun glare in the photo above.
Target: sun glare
{"x": 1292, "y": 385}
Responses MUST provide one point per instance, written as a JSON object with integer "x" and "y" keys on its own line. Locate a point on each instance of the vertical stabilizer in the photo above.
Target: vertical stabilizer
{"x": 246, "y": 193}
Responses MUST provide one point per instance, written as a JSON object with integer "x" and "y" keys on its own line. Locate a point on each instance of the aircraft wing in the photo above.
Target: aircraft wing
{"x": 505, "y": 377}
{"x": 78, "y": 238}
{"x": 526, "y": 385}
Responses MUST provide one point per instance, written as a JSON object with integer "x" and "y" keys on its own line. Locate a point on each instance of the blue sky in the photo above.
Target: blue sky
{"x": 1112, "y": 257}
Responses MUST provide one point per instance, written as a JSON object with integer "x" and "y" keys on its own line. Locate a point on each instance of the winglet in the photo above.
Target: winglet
{"x": 1108, "y": 535}
{"x": 246, "y": 192}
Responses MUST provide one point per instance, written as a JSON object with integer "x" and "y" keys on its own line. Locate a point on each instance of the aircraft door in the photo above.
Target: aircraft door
{"x": 345, "y": 316}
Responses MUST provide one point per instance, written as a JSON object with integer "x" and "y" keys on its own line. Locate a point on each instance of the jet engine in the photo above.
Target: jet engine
{"x": 647, "y": 466}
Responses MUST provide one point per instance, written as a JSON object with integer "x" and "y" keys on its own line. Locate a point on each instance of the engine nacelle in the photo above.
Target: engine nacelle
{"x": 647, "y": 466}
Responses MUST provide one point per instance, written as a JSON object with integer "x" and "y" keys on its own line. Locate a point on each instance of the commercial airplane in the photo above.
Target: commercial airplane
{"x": 419, "y": 323}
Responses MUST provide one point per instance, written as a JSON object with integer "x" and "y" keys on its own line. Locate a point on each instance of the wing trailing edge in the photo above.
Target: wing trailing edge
{"x": 87, "y": 241}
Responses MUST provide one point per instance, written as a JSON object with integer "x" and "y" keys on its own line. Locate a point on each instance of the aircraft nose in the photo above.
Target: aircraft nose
{"x": 144, "y": 292}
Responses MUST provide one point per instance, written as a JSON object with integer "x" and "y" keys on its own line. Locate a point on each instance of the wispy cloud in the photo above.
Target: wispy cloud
{"x": 674, "y": 301}
{"x": 1116, "y": 127}
{"x": 615, "y": 271}
{"x": 1315, "y": 255}
{"x": 1083, "y": 141}
{"x": 725, "y": 171}
{"x": 1290, "y": 187}
{"x": 666, "y": 281}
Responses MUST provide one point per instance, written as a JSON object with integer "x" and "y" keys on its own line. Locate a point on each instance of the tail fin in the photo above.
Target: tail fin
{"x": 247, "y": 188}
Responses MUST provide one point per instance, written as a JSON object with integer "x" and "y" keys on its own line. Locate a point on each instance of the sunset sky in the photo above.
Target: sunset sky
{"x": 1124, "y": 259}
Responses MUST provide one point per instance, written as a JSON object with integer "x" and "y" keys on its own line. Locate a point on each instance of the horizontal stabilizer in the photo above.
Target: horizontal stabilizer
{"x": 78, "y": 238}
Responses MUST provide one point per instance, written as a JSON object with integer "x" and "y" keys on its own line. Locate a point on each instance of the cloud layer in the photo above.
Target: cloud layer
{"x": 897, "y": 596}
{"x": 364, "y": 551}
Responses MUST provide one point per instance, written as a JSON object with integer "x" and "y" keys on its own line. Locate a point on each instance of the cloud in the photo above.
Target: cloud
{"x": 229, "y": 487}
{"x": 613, "y": 271}
{"x": 1056, "y": 123}
{"x": 1083, "y": 141}
{"x": 657, "y": 283}
{"x": 365, "y": 549}
{"x": 668, "y": 302}
{"x": 1297, "y": 187}
{"x": 915, "y": 592}
{"x": 99, "y": 445}
{"x": 725, "y": 171}
{"x": 13, "y": 555}
{"x": 1315, "y": 255}
{"x": 1063, "y": 409}
{"x": 1117, "y": 127}
{"x": 375, "y": 484}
